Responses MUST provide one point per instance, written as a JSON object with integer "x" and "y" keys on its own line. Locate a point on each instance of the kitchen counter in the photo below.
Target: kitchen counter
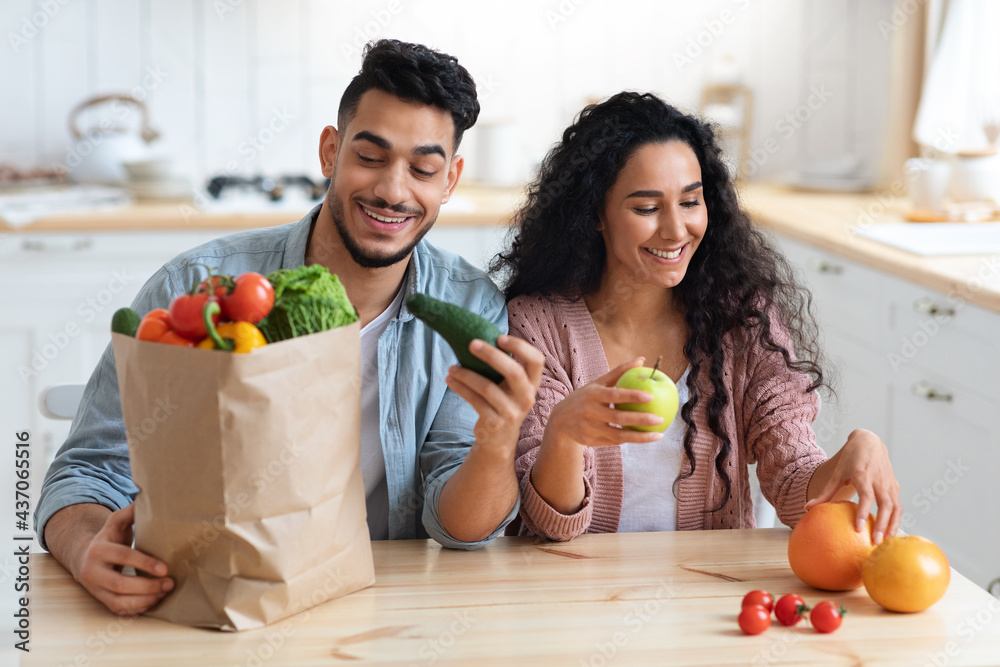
{"x": 629, "y": 598}
{"x": 826, "y": 220}
{"x": 471, "y": 205}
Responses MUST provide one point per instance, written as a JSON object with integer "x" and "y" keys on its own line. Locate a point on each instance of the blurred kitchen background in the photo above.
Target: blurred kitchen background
{"x": 135, "y": 129}
{"x": 243, "y": 88}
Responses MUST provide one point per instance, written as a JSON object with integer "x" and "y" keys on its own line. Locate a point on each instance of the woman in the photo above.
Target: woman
{"x": 632, "y": 246}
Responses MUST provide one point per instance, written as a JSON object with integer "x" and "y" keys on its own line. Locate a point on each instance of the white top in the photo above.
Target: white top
{"x": 650, "y": 469}
{"x": 372, "y": 457}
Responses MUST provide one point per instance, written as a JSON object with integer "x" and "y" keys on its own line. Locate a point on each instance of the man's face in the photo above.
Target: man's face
{"x": 391, "y": 169}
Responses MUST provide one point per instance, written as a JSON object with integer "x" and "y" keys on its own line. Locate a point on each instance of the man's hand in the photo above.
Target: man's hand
{"x": 501, "y": 407}
{"x": 482, "y": 492}
{"x": 94, "y": 544}
{"x": 861, "y": 465}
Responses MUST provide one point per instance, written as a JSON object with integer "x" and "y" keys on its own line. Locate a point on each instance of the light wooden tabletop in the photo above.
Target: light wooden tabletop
{"x": 642, "y": 598}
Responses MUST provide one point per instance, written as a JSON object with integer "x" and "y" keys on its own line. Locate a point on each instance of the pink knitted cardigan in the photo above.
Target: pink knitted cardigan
{"x": 768, "y": 419}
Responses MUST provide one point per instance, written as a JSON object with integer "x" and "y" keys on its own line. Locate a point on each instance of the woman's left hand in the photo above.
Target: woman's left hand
{"x": 861, "y": 465}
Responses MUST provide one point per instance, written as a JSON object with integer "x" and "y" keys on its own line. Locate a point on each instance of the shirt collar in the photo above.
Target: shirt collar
{"x": 298, "y": 241}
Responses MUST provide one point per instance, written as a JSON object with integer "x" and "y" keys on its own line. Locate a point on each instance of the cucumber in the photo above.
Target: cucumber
{"x": 459, "y": 327}
{"x": 125, "y": 321}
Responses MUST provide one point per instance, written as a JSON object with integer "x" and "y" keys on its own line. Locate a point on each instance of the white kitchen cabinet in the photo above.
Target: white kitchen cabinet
{"x": 853, "y": 319}
{"x": 946, "y": 457}
{"x": 55, "y": 318}
{"x": 477, "y": 244}
{"x": 919, "y": 368}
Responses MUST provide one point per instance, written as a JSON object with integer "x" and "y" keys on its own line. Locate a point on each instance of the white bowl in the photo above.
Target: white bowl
{"x": 148, "y": 169}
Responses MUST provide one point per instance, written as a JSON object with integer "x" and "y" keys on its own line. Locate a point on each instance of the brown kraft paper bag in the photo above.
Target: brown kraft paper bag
{"x": 248, "y": 473}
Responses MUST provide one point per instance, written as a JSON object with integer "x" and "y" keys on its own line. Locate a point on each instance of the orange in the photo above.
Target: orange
{"x": 825, "y": 551}
{"x": 906, "y": 573}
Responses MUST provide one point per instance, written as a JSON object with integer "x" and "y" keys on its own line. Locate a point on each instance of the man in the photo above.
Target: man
{"x": 393, "y": 163}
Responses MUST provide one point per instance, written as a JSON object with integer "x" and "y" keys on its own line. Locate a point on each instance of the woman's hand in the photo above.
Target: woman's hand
{"x": 585, "y": 417}
{"x": 501, "y": 407}
{"x": 861, "y": 465}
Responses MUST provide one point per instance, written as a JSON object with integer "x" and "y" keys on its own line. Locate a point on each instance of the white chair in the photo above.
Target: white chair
{"x": 763, "y": 512}
{"x": 60, "y": 401}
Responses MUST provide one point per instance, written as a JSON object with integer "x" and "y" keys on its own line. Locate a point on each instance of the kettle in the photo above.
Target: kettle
{"x": 98, "y": 155}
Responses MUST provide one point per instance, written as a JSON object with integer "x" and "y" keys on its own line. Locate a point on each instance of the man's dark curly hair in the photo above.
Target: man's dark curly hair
{"x": 735, "y": 282}
{"x": 413, "y": 73}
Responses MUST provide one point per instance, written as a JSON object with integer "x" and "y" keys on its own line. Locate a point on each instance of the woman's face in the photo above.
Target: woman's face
{"x": 654, "y": 215}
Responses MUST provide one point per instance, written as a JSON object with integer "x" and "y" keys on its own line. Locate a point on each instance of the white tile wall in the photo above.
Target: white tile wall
{"x": 229, "y": 67}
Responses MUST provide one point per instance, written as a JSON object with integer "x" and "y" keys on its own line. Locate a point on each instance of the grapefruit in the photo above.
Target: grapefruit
{"x": 826, "y": 552}
{"x": 906, "y": 573}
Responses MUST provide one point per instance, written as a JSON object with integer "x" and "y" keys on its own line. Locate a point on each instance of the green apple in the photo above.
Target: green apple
{"x": 655, "y": 382}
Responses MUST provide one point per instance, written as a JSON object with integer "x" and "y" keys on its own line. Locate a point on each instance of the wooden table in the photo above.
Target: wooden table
{"x": 643, "y": 598}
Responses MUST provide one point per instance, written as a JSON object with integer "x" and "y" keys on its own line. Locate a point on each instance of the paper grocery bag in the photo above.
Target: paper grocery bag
{"x": 248, "y": 473}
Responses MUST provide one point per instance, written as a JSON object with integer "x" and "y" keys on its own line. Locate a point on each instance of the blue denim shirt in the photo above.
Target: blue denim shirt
{"x": 426, "y": 429}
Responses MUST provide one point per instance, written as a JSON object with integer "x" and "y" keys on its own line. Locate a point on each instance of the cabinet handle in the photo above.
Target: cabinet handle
{"x": 994, "y": 588}
{"x": 62, "y": 245}
{"x": 928, "y": 307}
{"x": 924, "y": 390}
{"x": 823, "y": 266}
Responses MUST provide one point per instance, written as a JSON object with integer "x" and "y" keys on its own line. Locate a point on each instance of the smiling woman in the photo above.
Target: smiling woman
{"x": 645, "y": 253}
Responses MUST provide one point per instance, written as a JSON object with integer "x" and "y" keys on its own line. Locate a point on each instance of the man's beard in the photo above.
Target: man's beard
{"x": 369, "y": 260}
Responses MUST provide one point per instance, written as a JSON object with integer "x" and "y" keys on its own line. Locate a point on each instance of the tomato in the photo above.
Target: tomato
{"x": 186, "y": 315}
{"x": 827, "y": 616}
{"x": 763, "y": 598}
{"x": 754, "y": 619}
{"x": 790, "y": 609}
{"x": 250, "y": 300}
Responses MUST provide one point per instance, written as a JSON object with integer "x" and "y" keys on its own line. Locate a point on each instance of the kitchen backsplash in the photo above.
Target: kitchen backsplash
{"x": 246, "y": 86}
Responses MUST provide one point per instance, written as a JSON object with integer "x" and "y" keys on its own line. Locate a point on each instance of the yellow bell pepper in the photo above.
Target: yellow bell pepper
{"x": 238, "y": 337}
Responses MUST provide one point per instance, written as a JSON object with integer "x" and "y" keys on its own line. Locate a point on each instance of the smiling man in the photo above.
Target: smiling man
{"x": 437, "y": 443}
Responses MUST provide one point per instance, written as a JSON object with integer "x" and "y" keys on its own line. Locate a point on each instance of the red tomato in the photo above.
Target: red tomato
{"x": 763, "y": 598}
{"x": 790, "y": 609}
{"x": 251, "y": 299}
{"x": 754, "y": 619}
{"x": 827, "y": 616}
{"x": 186, "y": 318}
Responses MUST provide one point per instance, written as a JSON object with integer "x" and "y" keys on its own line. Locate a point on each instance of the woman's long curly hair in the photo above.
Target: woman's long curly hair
{"x": 735, "y": 282}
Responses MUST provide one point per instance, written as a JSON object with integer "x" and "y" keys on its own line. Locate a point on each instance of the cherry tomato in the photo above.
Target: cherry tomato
{"x": 186, "y": 316}
{"x": 763, "y": 598}
{"x": 251, "y": 299}
{"x": 790, "y": 609}
{"x": 754, "y": 619}
{"x": 827, "y": 616}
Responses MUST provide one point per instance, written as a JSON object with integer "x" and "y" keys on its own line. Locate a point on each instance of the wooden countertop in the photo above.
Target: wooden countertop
{"x": 825, "y": 220}
{"x": 640, "y": 598}
{"x": 471, "y": 205}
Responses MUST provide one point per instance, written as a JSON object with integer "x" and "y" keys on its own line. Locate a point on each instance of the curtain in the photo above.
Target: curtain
{"x": 961, "y": 92}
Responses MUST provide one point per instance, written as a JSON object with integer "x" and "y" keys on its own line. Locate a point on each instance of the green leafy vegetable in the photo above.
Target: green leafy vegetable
{"x": 307, "y": 300}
